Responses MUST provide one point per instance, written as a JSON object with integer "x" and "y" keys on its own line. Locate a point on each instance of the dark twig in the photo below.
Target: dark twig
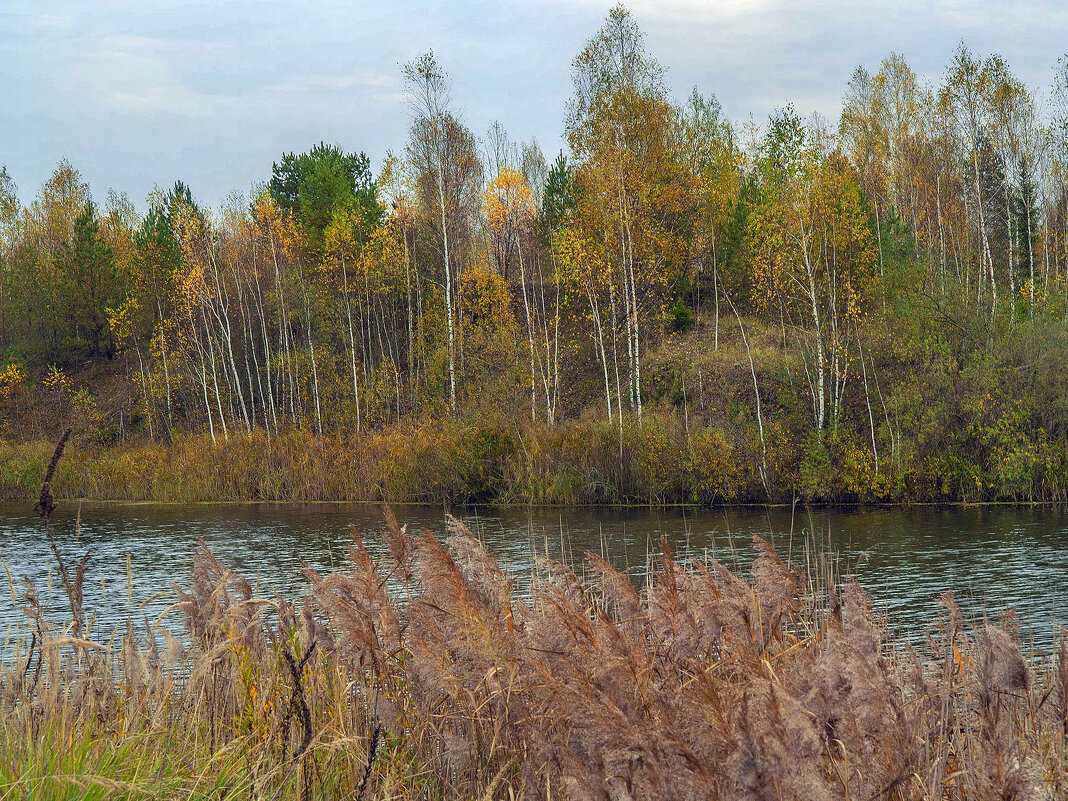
{"x": 372, "y": 750}
{"x": 298, "y": 701}
{"x": 46, "y": 504}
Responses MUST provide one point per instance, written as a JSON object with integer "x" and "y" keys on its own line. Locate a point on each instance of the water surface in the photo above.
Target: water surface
{"x": 993, "y": 558}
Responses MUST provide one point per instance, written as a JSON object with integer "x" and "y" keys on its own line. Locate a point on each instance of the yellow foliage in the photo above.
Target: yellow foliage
{"x": 11, "y": 378}
{"x": 120, "y": 318}
{"x": 507, "y": 200}
{"x": 56, "y": 379}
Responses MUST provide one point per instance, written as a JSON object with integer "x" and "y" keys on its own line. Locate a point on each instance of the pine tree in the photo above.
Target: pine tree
{"x": 89, "y": 285}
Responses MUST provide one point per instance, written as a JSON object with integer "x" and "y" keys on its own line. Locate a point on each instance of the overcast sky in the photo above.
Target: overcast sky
{"x": 142, "y": 92}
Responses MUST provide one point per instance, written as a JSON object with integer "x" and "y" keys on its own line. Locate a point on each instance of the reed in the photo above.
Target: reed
{"x": 424, "y": 674}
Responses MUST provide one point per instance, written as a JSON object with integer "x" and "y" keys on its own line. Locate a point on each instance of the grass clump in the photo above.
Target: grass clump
{"x": 425, "y": 674}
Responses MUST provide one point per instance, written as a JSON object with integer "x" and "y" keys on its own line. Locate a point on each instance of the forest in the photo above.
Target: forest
{"x": 679, "y": 308}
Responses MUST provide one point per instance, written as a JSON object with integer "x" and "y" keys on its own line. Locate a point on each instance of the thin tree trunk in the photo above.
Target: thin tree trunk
{"x": 604, "y": 356}
{"x": 448, "y": 290}
{"x": 352, "y": 343}
{"x": 530, "y": 332}
{"x": 756, "y": 391}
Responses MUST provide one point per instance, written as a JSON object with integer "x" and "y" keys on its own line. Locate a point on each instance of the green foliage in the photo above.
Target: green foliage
{"x": 158, "y": 259}
{"x": 816, "y": 469}
{"x": 561, "y": 197}
{"x": 316, "y": 184}
{"x": 680, "y": 317}
{"x": 88, "y": 285}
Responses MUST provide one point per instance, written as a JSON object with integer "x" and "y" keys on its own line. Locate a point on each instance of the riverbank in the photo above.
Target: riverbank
{"x": 702, "y": 684}
{"x": 659, "y": 460}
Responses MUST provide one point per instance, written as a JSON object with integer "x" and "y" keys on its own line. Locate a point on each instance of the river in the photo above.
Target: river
{"x": 992, "y": 557}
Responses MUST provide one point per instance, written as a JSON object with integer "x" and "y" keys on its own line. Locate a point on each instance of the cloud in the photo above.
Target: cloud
{"x": 371, "y": 89}
{"x": 137, "y": 75}
{"x": 56, "y": 22}
{"x": 134, "y": 91}
{"x": 756, "y": 55}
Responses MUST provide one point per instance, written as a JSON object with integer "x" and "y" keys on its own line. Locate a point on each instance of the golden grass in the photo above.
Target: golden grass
{"x": 447, "y": 460}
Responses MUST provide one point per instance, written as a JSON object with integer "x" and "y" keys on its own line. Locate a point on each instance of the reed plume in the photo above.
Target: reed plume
{"x": 425, "y": 674}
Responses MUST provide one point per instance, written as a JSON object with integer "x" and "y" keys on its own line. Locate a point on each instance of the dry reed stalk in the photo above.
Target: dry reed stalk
{"x": 703, "y": 684}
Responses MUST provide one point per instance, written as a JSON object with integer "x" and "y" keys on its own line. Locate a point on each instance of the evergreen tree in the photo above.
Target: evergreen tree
{"x": 89, "y": 285}
{"x": 317, "y": 184}
{"x": 1027, "y": 225}
{"x": 560, "y": 198}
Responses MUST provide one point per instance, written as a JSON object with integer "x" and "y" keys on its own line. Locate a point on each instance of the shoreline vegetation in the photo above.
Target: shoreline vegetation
{"x": 464, "y": 462}
{"x": 423, "y": 674}
{"x": 677, "y": 309}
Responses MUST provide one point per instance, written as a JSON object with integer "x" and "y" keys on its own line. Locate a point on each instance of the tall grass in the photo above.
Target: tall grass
{"x": 661, "y": 458}
{"x": 587, "y": 461}
{"x": 425, "y": 675}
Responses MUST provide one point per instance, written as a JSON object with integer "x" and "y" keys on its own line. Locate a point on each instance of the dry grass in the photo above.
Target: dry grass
{"x": 454, "y": 461}
{"x": 424, "y": 675}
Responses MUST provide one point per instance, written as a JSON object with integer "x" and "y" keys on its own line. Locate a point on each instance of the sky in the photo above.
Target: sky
{"x": 139, "y": 93}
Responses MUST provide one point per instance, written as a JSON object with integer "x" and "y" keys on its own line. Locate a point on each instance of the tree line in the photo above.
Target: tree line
{"x": 473, "y": 277}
